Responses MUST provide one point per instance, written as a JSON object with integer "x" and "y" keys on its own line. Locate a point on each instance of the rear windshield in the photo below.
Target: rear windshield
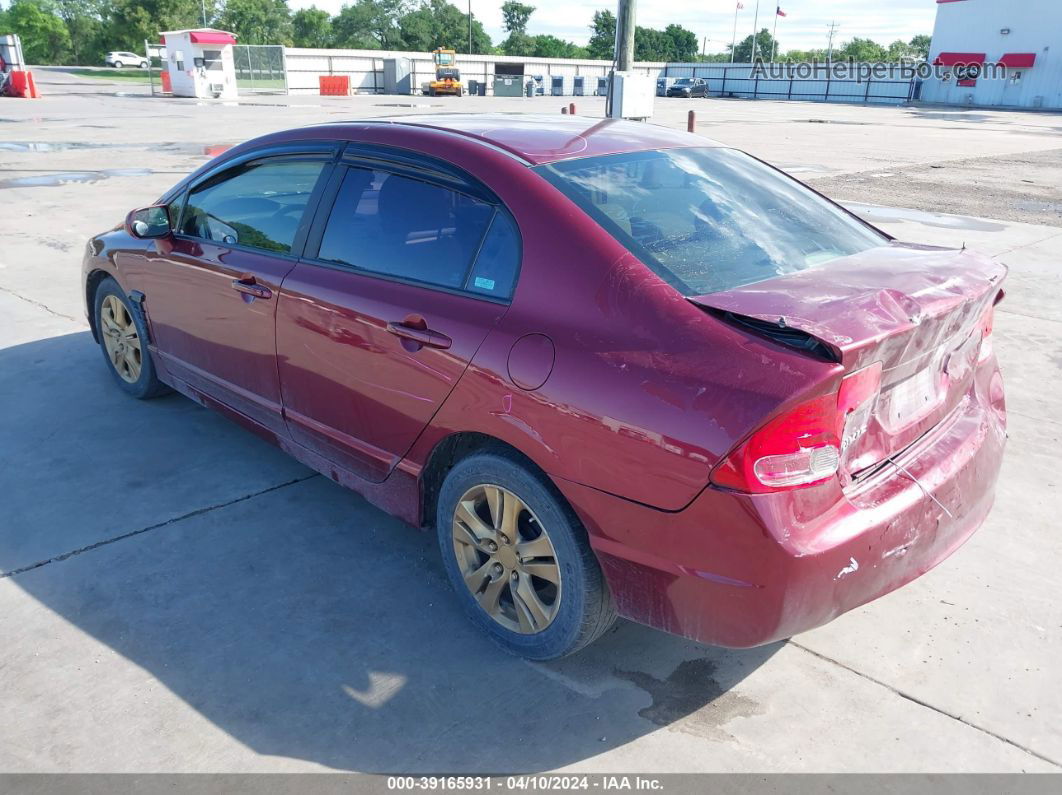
{"x": 707, "y": 220}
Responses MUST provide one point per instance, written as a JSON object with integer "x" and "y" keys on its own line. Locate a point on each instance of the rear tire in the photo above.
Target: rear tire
{"x": 117, "y": 64}
{"x": 537, "y": 592}
{"x": 123, "y": 341}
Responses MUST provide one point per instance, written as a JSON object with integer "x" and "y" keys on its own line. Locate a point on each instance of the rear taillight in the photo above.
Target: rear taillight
{"x": 987, "y": 319}
{"x": 805, "y": 445}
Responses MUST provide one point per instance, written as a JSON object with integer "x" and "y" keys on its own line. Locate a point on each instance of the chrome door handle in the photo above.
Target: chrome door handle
{"x": 249, "y": 286}
{"x": 421, "y": 336}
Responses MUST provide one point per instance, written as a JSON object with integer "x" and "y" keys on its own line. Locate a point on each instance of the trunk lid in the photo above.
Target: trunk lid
{"x": 915, "y": 309}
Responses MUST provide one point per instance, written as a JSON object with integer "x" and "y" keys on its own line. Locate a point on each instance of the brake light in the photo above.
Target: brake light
{"x": 987, "y": 320}
{"x": 805, "y": 445}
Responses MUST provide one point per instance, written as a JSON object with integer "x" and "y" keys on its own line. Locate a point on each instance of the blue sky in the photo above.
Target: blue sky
{"x": 803, "y": 27}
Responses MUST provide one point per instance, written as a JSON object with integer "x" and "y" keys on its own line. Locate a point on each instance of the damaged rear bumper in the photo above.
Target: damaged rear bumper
{"x": 743, "y": 570}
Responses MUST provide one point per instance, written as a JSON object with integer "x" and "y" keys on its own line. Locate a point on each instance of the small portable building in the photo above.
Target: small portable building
{"x": 200, "y": 63}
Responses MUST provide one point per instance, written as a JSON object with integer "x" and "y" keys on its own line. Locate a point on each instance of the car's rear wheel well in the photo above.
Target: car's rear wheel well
{"x": 455, "y": 448}
{"x": 92, "y": 283}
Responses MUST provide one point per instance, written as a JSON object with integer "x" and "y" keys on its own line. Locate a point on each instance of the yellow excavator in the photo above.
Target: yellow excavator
{"x": 447, "y": 77}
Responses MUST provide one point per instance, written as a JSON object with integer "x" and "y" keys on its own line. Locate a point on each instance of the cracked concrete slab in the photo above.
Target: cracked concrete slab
{"x": 188, "y": 598}
{"x": 304, "y": 628}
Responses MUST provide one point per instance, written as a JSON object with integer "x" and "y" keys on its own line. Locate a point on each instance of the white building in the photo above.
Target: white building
{"x": 199, "y": 63}
{"x": 972, "y": 38}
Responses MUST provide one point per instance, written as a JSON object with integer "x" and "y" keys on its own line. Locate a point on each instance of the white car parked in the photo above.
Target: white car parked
{"x": 120, "y": 59}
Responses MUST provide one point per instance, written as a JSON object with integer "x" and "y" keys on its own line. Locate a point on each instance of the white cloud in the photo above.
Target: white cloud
{"x": 803, "y": 27}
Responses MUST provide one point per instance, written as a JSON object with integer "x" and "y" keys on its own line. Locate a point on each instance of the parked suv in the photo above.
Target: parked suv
{"x": 689, "y": 87}
{"x": 120, "y": 59}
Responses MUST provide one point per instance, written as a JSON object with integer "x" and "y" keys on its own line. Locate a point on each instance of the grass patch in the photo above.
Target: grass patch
{"x": 124, "y": 75}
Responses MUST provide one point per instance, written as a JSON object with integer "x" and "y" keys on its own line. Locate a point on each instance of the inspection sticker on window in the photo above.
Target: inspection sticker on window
{"x": 484, "y": 284}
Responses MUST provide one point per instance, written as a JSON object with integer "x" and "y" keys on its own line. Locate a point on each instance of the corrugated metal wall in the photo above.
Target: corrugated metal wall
{"x": 365, "y": 68}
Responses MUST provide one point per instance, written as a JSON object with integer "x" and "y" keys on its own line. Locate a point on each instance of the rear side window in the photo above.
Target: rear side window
{"x": 712, "y": 219}
{"x": 259, "y": 205}
{"x": 402, "y": 227}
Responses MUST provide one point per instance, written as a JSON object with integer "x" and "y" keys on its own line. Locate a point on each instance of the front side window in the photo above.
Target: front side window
{"x": 397, "y": 226}
{"x": 710, "y": 219}
{"x": 259, "y": 204}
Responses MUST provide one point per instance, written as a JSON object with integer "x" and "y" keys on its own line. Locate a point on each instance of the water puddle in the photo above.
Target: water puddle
{"x": 873, "y": 212}
{"x": 71, "y": 177}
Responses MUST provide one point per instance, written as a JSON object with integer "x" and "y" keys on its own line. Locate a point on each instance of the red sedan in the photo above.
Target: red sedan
{"x": 619, "y": 368}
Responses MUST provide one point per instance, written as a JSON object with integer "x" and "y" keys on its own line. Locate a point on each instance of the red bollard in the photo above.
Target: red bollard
{"x": 691, "y": 122}
{"x": 564, "y": 111}
{"x": 571, "y": 108}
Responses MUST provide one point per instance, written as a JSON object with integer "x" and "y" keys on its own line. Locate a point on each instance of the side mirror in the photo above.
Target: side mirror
{"x": 149, "y": 222}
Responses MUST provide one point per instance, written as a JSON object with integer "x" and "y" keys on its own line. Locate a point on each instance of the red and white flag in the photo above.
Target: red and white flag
{"x": 778, "y": 10}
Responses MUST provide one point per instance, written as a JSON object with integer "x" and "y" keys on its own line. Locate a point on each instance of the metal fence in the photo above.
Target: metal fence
{"x": 260, "y": 69}
{"x": 741, "y": 80}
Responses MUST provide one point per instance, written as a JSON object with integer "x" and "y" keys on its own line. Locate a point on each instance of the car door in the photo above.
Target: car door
{"x": 211, "y": 287}
{"x": 406, "y": 272}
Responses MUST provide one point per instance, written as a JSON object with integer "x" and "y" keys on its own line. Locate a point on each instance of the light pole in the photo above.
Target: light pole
{"x": 469, "y": 27}
{"x": 202, "y": 4}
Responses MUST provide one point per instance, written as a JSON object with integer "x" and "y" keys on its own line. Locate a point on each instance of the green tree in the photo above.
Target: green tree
{"x": 84, "y": 20}
{"x": 547, "y": 46}
{"x": 130, "y": 22}
{"x": 515, "y": 16}
{"x": 45, "y": 39}
{"x": 682, "y": 43}
{"x": 437, "y": 23}
{"x": 765, "y": 45}
{"x": 862, "y": 51}
{"x": 257, "y": 21}
{"x": 920, "y": 46}
{"x": 370, "y": 24}
{"x": 602, "y": 42}
{"x": 674, "y": 43}
{"x": 311, "y": 27}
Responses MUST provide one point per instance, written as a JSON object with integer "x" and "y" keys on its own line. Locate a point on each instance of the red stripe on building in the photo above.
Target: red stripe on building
{"x": 1018, "y": 60}
{"x": 953, "y": 58}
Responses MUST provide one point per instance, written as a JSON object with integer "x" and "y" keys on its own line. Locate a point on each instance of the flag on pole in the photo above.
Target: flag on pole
{"x": 778, "y": 10}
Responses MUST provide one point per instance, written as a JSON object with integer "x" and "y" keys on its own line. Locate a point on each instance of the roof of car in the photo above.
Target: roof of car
{"x": 538, "y": 138}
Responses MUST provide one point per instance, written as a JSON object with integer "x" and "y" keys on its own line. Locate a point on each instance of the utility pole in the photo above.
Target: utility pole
{"x": 829, "y": 47}
{"x": 704, "y": 45}
{"x": 755, "y": 25}
{"x": 469, "y": 27}
{"x": 733, "y": 41}
{"x": 625, "y": 35}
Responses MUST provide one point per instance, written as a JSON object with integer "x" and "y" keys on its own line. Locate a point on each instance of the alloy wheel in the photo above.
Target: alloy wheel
{"x": 120, "y": 339}
{"x": 506, "y": 559}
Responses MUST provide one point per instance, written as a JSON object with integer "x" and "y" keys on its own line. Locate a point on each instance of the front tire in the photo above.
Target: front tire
{"x": 123, "y": 341}
{"x": 519, "y": 559}
{"x": 144, "y": 64}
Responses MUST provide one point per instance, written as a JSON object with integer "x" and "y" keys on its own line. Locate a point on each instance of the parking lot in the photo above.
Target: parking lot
{"x": 177, "y": 595}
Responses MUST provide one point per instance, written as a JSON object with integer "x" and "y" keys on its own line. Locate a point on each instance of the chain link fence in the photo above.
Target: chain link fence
{"x": 260, "y": 69}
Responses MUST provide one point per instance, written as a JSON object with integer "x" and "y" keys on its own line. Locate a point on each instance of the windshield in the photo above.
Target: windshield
{"x": 684, "y": 81}
{"x": 707, "y": 220}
